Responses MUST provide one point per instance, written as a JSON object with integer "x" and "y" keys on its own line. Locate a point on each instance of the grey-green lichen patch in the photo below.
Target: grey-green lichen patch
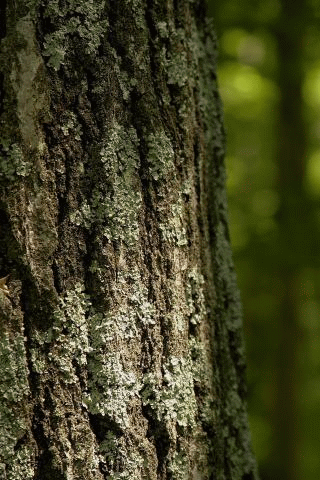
{"x": 83, "y": 216}
{"x": 112, "y": 326}
{"x": 12, "y": 161}
{"x": 173, "y": 229}
{"x": 179, "y": 466}
{"x": 120, "y": 152}
{"x": 69, "y": 123}
{"x": 115, "y": 452}
{"x": 195, "y": 297}
{"x": 68, "y": 336}
{"x": 160, "y": 155}
{"x": 22, "y": 466}
{"x": 14, "y": 382}
{"x": 197, "y": 314}
{"x": 71, "y": 326}
{"x": 174, "y": 400}
{"x": 176, "y": 68}
{"x": 180, "y": 71}
{"x": 113, "y": 384}
{"x": 124, "y": 321}
{"x": 59, "y": 356}
{"x": 137, "y": 14}
{"x": 114, "y": 380}
{"x": 14, "y": 392}
{"x": 203, "y": 379}
{"x": 177, "y": 317}
{"x": 125, "y": 82}
{"x": 197, "y": 353}
{"x": 114, "y": 205}
{"x": 120, "y": 212}
{"x": 111, "y": 387}
{"x": 162, "y": 28}
{"x": 74, "y": 20}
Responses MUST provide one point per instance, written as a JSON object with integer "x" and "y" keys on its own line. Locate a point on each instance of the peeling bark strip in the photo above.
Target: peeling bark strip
{"x": 120, "y": 342}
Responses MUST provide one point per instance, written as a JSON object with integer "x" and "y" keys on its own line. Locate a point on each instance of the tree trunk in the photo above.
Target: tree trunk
{"x": 296, "y": 246}
{"x": 120, "y": 338}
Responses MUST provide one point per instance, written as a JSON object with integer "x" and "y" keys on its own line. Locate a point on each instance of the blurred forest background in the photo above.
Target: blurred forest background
{"x": 269, "y": 77}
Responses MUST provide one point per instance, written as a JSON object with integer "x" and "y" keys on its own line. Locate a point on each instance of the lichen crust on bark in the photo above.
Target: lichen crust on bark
{"x": 121, "y": 344}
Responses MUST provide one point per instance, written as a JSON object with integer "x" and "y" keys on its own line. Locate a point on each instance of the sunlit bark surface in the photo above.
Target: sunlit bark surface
{"x": 120, "y": 339}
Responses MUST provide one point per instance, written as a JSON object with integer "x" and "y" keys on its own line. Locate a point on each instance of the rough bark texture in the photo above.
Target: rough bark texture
{"x": 120, "y": 343}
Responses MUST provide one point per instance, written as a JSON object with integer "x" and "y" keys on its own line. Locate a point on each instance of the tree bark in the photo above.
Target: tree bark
{"x": 296, "y": 247}
{"x": 121, "y": 338}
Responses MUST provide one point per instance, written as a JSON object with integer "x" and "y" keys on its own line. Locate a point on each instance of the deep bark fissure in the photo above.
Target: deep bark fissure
{"x": 3, "y": 19}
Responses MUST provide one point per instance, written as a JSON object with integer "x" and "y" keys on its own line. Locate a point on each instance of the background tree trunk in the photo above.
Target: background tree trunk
{"x": 120, "y": 340}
